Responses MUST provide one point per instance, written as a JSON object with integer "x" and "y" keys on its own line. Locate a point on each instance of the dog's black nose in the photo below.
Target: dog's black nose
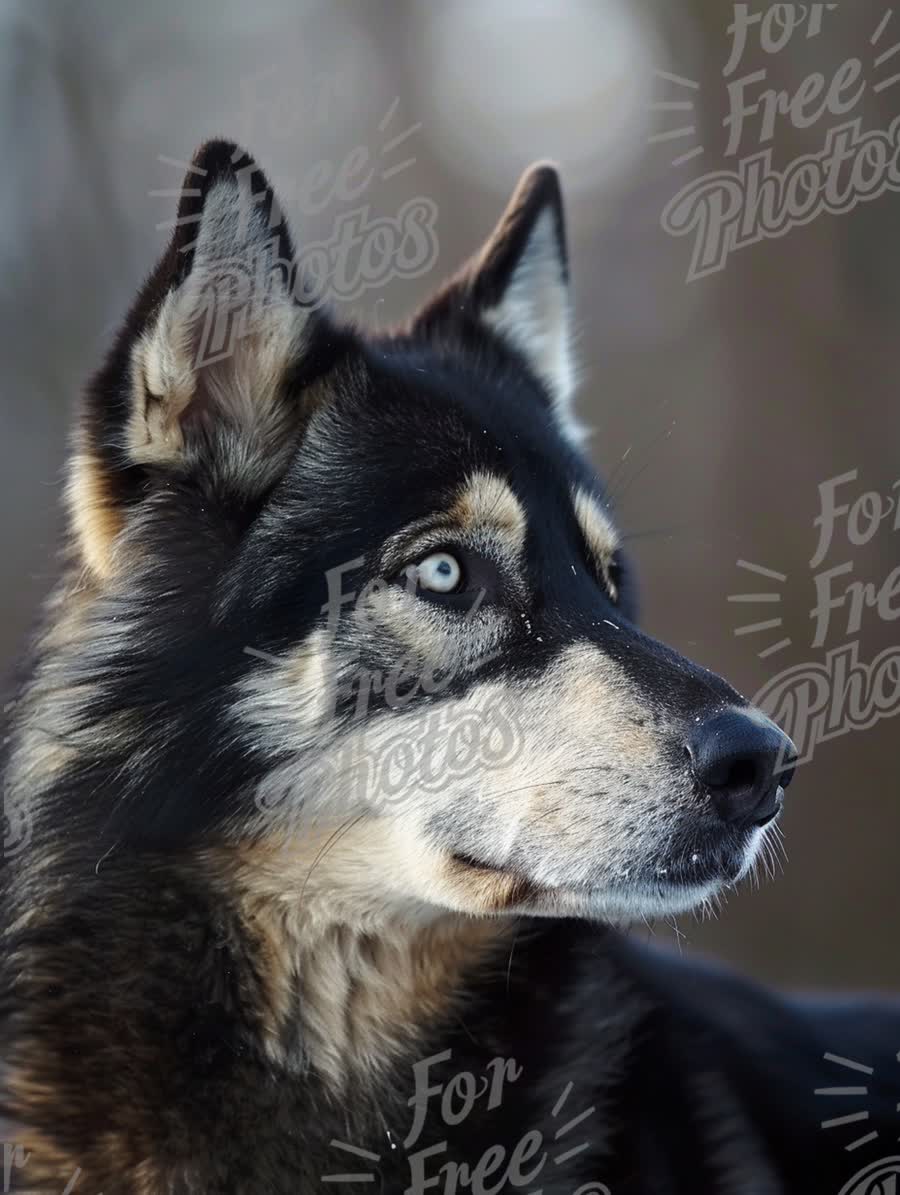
{"x": 742, "y": 761}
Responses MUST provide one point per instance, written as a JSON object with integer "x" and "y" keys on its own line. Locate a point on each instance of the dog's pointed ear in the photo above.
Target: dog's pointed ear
{"x": 201, "y": 382}
{"x": 517, "y": 285}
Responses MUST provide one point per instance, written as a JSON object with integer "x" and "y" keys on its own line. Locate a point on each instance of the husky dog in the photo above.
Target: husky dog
{"x": 339, "y": 756}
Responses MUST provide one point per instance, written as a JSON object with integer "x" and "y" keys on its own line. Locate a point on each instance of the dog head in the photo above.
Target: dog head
{"x": 363, "y": 595}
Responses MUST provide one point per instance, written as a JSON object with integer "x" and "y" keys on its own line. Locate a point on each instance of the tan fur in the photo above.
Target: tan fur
{"x": 486, "y": 503}
{"x": 230, "y": 329}
{"x": 244, "y": 386}
{"x": 429, "y": 635}
{"x": 236, "y": 295}
{"x": 96, "y": 521}
{"x": 587, "y": 766}
{"x": 44, "y": 717}
{"x": 42, "y": 1163}
{"x": 45, "y": 1167}
{"x": 599, "y": 533}
{"x": 363, "y": 975}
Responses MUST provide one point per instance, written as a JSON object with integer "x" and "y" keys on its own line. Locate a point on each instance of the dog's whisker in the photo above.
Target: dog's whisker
{"x": 331, "y": 842}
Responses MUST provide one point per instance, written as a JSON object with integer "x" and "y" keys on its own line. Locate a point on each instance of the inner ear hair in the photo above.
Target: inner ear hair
{"x": 216, "y": 359}
{"x": 203, "y": 376}
{"x": 225, "y": 333}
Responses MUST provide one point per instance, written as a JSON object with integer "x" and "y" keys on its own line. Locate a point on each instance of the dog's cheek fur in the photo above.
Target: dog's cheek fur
{"x": 574, "y": 786}
{"x": 364, "y": 919}
{"x": 588, "y": 795}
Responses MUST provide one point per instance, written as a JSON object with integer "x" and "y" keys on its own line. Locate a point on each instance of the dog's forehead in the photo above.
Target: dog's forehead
{"x": 424, "y": 433}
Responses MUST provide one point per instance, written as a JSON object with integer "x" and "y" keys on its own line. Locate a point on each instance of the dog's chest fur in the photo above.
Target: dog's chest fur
{"x": 187, "y": 1060}
{"x": 179, "y": 1058}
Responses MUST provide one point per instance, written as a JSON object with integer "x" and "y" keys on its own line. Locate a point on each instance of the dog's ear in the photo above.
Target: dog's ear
{"x": 202, "y": 382}
{"x": 517, "y": 285}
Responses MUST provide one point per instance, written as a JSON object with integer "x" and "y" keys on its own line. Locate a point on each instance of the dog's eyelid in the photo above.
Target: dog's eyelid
{"x": 405, "y": 548}
{"x": 399, "y": 559}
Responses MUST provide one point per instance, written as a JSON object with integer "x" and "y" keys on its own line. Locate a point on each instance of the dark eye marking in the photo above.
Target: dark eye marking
{"x": 455, "y": 577}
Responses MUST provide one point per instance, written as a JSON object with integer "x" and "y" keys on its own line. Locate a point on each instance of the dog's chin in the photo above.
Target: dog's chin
{"x": 642, "y": 893}
{"x": 626, "y": 905}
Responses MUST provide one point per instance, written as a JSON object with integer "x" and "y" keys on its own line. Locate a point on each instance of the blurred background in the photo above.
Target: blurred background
{"x": 720, "y": 404}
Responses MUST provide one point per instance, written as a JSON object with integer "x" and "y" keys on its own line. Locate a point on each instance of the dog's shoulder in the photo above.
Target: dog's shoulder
{"x": 729, "y": 1071}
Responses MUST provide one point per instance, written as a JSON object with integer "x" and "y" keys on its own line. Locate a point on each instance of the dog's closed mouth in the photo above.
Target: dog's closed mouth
{"x": 509, "y": 887}
{"x": 478, "y": 864}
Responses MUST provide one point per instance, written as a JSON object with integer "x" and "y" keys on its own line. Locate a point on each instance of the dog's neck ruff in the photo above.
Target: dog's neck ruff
{"x": 351, "y": 988}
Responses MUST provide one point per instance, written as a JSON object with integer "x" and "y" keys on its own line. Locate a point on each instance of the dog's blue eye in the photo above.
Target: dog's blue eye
{"x": 439, "y": 573}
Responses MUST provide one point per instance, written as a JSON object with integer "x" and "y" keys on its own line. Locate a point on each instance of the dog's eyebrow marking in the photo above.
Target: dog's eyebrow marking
{"x": 486, "y": 502}
{"x": 598, "y": 530}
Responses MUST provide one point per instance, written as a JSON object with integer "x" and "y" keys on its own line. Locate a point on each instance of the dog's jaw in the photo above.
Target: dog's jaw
{"x": 628, "y": 898}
